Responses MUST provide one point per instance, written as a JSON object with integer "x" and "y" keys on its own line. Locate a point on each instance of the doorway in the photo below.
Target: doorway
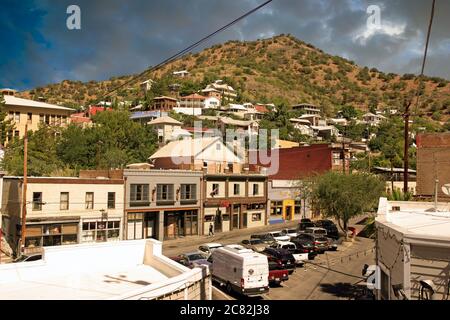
{"x": 218, "y": 221}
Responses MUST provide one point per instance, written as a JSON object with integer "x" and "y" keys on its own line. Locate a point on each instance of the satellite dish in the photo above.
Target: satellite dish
{"x": 446, "y": 189}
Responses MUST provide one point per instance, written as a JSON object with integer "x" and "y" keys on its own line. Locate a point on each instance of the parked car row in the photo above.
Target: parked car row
{"x": 264, "y": 259}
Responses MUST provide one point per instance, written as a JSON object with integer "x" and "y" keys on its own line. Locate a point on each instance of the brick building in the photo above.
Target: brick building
{"x": 433, "y": 162}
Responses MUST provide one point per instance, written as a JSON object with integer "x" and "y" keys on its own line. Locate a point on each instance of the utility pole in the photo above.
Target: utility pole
{"x": 24, "y": 191}
{"x": 406, "y": 147}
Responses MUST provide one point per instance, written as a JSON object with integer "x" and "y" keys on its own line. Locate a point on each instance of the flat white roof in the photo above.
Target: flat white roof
{"x": 415, "y": 220}
{"x": 15, "y": 101}
{"x": 88, "y": 271}
{"x": 82, "y": 285}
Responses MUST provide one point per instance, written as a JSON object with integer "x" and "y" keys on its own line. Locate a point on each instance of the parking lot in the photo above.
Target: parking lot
{"x": 331, "y": 275}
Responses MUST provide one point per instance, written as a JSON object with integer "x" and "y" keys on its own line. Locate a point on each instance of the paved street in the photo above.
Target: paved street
{"x": 332, "y": 275}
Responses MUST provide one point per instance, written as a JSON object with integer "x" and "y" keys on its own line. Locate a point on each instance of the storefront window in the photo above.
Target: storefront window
{"x": 276, "y": 208}
{"x": 100, "y": 231}
{"x": 298, "y": 206}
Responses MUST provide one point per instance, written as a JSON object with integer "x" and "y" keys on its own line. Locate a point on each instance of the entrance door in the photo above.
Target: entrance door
{"x": 180, "y": 224}
{"x": 288, "y": 213}
{"x": 235, "y": 221}
{"x": 218, "y": 222}
{"x": 150, "y": 230}
{"x": 134, "y": 226}
{"x": 170, "y": 226}
{"x": 245, "y": 219}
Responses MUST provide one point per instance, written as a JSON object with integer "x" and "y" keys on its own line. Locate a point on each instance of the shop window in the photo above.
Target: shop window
{"x": 64, "y": 201}
{"x": 209, "y": 218}
{"x": 111, "y": 200}
{"x": 256, "y": 217}
{"x": 225, "y": 217}
{"x": 37, "y": 201}
{"x": 100, "y": 231}
{"x": 89, "y": 200}
{"x": 139, "y": 195}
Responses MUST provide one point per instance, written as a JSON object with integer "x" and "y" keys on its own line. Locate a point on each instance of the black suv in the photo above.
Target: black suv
{"x": 303, "y": 225}
{"x": 283, "y": 258}
{"x": 332, "y": 230}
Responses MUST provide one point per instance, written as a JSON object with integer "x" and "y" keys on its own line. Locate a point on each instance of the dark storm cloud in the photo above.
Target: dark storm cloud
{"x": 122, "y": 37}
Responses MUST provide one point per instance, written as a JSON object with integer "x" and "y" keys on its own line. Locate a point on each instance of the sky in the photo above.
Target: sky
{"x": 123, "y": 37}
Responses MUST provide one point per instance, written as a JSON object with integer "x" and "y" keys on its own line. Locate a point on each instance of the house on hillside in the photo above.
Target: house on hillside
{"x": 307, "y": 108}
{"x": 211, "y": 102}
{"x": 221, "y": 90}
{"x": 164, "y": 103}
{"x": 373, "y": 119}
{"x": 24, "y": 112}
{"x": 166, "y": 129}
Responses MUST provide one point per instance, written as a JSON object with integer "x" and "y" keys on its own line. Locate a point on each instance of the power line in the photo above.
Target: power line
{"x": 184, "y": 51}
{"x": 408, "y": 103}
{"x": 422, "y": 70}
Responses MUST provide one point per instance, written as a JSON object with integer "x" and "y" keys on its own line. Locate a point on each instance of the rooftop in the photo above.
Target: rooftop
{"x": 15, "y": 101}
{"x": 89, "y": 271}
{"x": 165, "y": 120}
{"x": 416, "y": 219}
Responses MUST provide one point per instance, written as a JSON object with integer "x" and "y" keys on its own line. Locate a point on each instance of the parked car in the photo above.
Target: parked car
{"x": 276, "y": 276}
{"x": 291, "y": 233}
{"x": 204, "y": 262}
{"x": 29, "y": 258}
{"x": 303, "y": 225}
{"x": 207, "y": 248}
{"x": 278, "y": 236}
{"x": 256, "y": 245}
{"x": 316, "y": 231}
{"x": 283, "y": 258}
{"x": 320, "y": 242}
{"x": 299, "y": 256}
{"x": 241, "y": 270}
{"x": 305, "y": 220}
{"x": 305, "y": 246}
{"x": 332, "y": 244}
{"x": 264, "y": 237}
{"x": 189, "y": 259}
{"x": 332, "y": 230}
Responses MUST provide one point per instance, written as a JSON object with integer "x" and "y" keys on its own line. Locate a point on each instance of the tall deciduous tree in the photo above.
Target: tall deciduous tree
{"x": 344, "y": 196}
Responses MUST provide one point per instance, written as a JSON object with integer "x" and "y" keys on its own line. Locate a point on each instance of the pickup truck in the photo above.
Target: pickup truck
{"x": 299, "y": 256}
{"x": 276, "y": 276}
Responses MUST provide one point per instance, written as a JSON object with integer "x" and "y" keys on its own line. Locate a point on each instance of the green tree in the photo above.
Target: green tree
{"x": 42, "y": 156}
{"x": 345, "y": 196}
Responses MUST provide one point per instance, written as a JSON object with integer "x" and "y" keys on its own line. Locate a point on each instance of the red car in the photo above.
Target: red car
{"x": 276, "y": 275}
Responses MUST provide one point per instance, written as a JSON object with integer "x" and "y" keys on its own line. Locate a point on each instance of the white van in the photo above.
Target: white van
{"x": 241, "y": 270}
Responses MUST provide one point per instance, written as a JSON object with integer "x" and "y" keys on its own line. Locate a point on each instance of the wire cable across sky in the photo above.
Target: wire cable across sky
{"x": 184, "y": 51}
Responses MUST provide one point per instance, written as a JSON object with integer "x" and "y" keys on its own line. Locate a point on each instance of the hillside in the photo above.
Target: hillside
{"x": 277, "y": 69}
